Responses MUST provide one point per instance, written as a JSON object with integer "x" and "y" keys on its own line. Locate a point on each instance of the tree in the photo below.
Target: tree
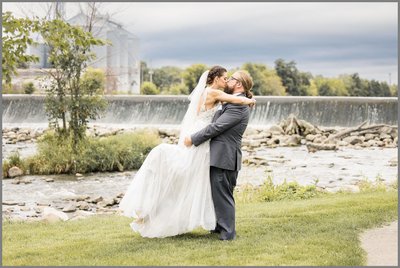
{"x": 15, "y": 41}
{"x": 192, "y": 74}
{"x": 356, "y": 87}
{"x": 69, "y": 96}
{"x": 266, "y": 81}
{"x": 167, "y": 76}
{"x": 149, "y": 88}
{"x": 295, "y": 82}
{"x": 393, "y": 90}
{"x": 330, "y": 86}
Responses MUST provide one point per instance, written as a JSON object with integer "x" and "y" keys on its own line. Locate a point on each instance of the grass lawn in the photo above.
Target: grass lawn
{"x": 318, "y": 231}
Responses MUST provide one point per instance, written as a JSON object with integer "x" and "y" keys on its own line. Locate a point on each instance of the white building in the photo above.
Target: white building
{"x": 120, "y": 61}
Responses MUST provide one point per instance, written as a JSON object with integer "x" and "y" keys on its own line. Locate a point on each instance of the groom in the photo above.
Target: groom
{"x": 226, "y": 131}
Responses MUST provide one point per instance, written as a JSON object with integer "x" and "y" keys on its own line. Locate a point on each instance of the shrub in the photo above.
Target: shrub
{"x": 29, "y": 88}
{"x": 270, "y": 192}
{"x": 14, "y": 160}
{"x": 114, "y": 153}
{"x": 177, "y": 89}
{"x": 149, "y": 88}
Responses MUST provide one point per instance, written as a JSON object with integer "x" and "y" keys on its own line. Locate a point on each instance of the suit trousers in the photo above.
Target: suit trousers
{"x": 223, "y": 183}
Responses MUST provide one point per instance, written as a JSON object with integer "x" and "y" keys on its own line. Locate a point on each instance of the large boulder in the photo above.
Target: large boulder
{"x": 15, "y": 172}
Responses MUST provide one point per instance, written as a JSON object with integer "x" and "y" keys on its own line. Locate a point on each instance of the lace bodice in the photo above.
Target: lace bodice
{"x": 204, "y": 114}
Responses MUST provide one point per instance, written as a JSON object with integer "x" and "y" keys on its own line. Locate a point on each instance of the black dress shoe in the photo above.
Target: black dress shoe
{"x": 215, "y": 231}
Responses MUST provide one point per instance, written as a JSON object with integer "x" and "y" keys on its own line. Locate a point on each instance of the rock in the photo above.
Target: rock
{"x": 310, "y": 137}
{"x": 384, "y": 136}
{"x": 26, "y": 181}
{"x": 42, "y": 204}
{"x": 78, "y": 175}
{"x": 50, "y": 180}
{"x": 250, "y": 131}
{"x": 393, "y": 162}
{"x": 53, "y": 215}
{"x": 15, "y": 172}
{"x": 313, "y": 147}
{"x": 319, "y": 139}
{"x": 254, "y": 143}
{"x": 82, "y": 198}
{"x": 9, "y": 203}
{"x": 342, "y": 143}
{"x": 276, "y": 130}
{"x": 70, "y": 208}
{"x": 293, "y": 140}
{"x": 120, "y": 195}
{"x": 96, "y": 199}
{"x": 369, "y": 136}
{"x": 106, "y": 202}
{"x": 353, "y": 140}
{"x": 21, "y": 204}
{"x": 83, "y": 205}
{"x": 273, "y": 141}
{"x": 168, "y": 132}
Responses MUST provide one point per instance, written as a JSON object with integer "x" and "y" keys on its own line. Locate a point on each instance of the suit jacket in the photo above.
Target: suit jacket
{"x": 225, "y": 132}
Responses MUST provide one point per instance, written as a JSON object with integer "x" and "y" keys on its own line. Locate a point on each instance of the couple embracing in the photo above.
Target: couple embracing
{"x": 181, "y": 187}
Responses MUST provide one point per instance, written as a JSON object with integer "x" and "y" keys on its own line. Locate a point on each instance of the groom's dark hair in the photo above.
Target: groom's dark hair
{"x": 215, "y": 71}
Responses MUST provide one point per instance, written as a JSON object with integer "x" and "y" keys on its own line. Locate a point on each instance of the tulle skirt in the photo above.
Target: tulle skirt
{"x": 171, "y": 192}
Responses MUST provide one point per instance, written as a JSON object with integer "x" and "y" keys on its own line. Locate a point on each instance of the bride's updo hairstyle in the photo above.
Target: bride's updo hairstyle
{"x": 247, "y": 83}
{"x": 216, "y": 71}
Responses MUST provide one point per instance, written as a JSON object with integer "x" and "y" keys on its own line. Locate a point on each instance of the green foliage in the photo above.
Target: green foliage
{"x": 114, "y": 153}
{"x": 29, "y": 88}
{"x": 145, "y": 76}
{"x": 14, "y": 160}
{"x": 177, "y": 89}
{"x": 270, "y": 192}
{"x": 192, "y": 74}
{"x": 149, "y": 88}
{"x": 394, "y": 90}
{"x": 15, "y": 40}
{"x": 70, "y": 96}
{"x": 167, "y": 76}
{"x": 266, "y": 81}
{"x": 318, "y": 232}
{"x": 295, "y": 82}
{"x": 330, "y": 86}
{"x": 367, "y": 186}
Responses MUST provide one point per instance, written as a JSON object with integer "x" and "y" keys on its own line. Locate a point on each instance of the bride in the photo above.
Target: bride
{"x": 171, "y": 193}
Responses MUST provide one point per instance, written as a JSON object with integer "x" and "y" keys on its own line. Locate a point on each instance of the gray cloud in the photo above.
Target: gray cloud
{"x": 323, "y": 38}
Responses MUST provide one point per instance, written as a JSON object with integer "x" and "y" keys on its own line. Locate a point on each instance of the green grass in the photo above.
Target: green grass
{"x": 319, "y": 231}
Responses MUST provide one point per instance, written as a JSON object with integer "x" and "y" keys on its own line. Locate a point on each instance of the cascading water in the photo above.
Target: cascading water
{"x": 169, "y": 110}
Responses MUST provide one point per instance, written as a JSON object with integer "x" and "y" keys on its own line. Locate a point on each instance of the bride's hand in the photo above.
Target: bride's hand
{"x": 188, "y": 142}
{"x": 252, "y": 103}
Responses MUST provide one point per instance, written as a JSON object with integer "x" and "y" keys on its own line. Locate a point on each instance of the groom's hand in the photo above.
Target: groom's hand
{"x": 188, "y": 141}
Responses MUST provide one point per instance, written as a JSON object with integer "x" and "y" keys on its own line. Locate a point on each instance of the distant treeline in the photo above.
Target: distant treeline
{"x": 282, "y": 80}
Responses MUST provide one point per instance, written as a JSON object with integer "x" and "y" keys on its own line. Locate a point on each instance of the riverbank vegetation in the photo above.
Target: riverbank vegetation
{"x": 284, "y": 79}
{"x": 322, "y": 230}
{"x": 94, "y": 154}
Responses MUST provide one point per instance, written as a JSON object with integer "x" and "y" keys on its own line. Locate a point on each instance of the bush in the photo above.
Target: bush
{"x": 114, "y": 153}
{"x": 14, "y": 160}
{"x": 149, "y": 88}
{"x": 270, "y": 192}
{"x": 29, "y": 88}
{"x": 177, "y": 89}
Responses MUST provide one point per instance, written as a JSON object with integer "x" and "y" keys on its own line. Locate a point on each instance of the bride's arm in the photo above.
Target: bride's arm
{"x": 224, "y": 97}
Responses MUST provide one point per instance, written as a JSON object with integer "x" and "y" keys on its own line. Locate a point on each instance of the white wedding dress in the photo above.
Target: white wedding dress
{"x": 171, "y": 192}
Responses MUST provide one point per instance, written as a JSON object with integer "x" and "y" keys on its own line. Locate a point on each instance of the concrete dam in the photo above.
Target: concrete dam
{"x": 169, "y": 110}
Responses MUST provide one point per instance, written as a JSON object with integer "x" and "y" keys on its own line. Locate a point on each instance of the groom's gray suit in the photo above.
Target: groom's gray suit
{"x": 225, "y": 132}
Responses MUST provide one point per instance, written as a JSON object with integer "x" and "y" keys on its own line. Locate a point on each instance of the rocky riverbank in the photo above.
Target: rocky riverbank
{"x": 292, "y": 150}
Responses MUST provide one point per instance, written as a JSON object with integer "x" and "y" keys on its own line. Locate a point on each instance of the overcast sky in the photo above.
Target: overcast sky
{"x": 322, "y": 38}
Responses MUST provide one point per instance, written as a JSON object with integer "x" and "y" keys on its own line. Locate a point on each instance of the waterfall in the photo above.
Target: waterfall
{"x": 169, "y": 110}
